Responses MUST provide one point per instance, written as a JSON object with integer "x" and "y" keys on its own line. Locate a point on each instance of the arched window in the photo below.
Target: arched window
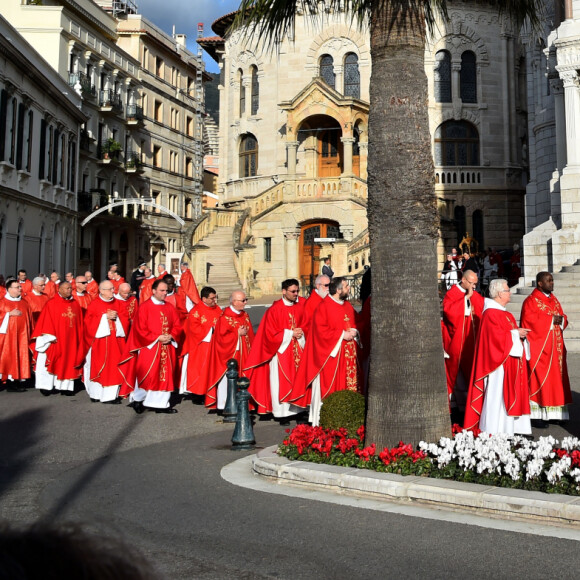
{"x": 356, "y": 151}
{"x": 242, "y": 92}
{"x": 460, "y": 222}
{"x": 442, "y": 76}
{"x": 478, "y": 227}
{"x": 351, "y": 76}
{"x": 255, "y": 91}
{"x": 468, "y": 77}
{"x": 456, "y": 143}
{"x": 327, "y": 70}
{"x": 248, "y": 156}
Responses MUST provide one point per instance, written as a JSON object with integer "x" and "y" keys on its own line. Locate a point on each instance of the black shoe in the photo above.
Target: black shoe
{"x": 94, "y": 400}
{"x": 45, "y": 392}
{"x": 15, "y": 389}
{"x": 540, "y": 424}
{"x": 138, "y": 407}
{"x": 284, "y": 422}
{"x": 167, "y": 411}
{"x": 68, "y": 393}
{"x": 113, "y": 402}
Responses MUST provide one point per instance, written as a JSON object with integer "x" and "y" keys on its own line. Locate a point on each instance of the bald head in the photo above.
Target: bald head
{"x": 238, "y": 300}
{"x": 124, "y": 290}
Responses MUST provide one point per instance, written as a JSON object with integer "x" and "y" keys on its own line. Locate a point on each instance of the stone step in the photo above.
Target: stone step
{"x": 571, "y": 269}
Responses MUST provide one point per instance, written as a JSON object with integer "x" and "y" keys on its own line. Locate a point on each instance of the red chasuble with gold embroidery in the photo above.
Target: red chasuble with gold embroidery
{"x": 492, "y": 349}
{"x": 226, "y": 344}
{"x": 155, "y": 368}
{"x": 201, "y": 320}
{"x": 459, "y": 333}
{"x": 62, "y": 318}
{"x": 14, "y": 345}
{"x": 278, "y": 318}
{"x": 326, "y": 355}
{"x": 84, "y": 300}
{"x": 549, "y": 382}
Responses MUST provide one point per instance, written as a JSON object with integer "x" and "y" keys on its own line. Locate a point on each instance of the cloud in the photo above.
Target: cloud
{"x": 185, "y": 15}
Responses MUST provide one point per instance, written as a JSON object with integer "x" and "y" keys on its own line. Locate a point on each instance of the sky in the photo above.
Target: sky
{"x": 185, "y": 15}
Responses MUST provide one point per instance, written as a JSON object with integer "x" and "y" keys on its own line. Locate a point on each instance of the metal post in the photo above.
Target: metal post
{"x": 231, "y": 408}
{"x": 243, "y": 437}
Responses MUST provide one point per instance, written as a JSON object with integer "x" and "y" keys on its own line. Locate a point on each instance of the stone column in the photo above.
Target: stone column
{"x": 557, "y": 89}
{"x": 291, "y": 153}
{"x": 291, "y": 237}
{"x": 455, "y": 81}
{"x": 572, "y": 108}
{"x": 347, "y": 143}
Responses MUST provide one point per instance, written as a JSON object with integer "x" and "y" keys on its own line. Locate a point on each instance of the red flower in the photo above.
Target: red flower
{"x": 360, "y": 432}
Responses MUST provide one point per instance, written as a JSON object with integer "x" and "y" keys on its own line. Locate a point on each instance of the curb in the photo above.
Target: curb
{"x": 502, "y": 502}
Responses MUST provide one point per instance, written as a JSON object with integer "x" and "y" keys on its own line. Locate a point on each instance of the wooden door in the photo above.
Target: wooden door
{"x": 329, "y": 153}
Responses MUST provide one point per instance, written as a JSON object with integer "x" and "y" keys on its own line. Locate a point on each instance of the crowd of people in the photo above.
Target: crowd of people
{"x": 151, "y": 339}
{"x": 501, "y": 377}
{"x": 488, "y": 265}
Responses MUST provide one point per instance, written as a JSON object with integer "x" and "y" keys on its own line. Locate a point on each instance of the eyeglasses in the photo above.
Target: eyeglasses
{"x": 240, "y": 300}
{"x": 85, "y": 282}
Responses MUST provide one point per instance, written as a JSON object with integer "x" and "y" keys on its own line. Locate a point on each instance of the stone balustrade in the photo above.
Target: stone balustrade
{"x": 476, "y": 177}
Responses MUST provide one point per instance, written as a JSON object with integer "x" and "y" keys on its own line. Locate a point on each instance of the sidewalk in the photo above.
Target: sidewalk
{"x": 499, "y": 502}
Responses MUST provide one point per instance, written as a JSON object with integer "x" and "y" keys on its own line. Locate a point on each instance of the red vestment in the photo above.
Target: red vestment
{"x": 492, "y": 349}
{"x": 162, "y": 275}
{"x": 106, "y": 351}
{"x": 146, "y": 290}
{"x": 201, "y": 320}
{"x": 14, "y": 344}
{"x": 93, "y": 288}
{"x": 117, "y": 283}
{"x": 227, "y": 344}
{"x": 310, "y": 306}
{"x": 459, "y": 333}
{"x": 155, "y": 368}
{"x": 51, "y": 288}
{"x": 62, "y": 318}
{"x": 36, "y": 302}
{"x": 549, "y": 382}
{"x": 26, "y": 286}
{"x": 336, "y": 368}
{"x": 83, "y": 299}
{"x": 187, "y": 283}
{"x": 269, "y": 338}
{"x": 177, "y": 299}
{"x": 2, "y": 292}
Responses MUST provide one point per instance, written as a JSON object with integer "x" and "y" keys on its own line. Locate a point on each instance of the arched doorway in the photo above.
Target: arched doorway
{"x": 310, "y": 250}
{"x": 322, "y": 134}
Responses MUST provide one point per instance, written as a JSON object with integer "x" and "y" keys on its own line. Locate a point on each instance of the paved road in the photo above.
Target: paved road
{"x": 155, "y": 480}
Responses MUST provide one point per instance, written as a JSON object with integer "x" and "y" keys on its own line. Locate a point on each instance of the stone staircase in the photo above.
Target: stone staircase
{"x": 222, "y": 273}
{"x": 567, "y": 291}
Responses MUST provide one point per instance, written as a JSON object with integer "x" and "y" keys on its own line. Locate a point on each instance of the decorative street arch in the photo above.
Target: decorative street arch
{"x": 140, "y": 201}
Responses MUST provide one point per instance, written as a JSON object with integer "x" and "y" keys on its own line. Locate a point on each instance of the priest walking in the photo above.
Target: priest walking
{"x": 498, "y": 397}
{"x": 549, "y": 382}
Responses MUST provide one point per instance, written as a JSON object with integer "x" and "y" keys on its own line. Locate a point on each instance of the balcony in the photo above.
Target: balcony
{"x": 110, "y": 152}
{"x": 134, "y": 115}
{"x": 449, "y": 178}
{"x": 81, "y": 80}
{"x": 132, "y": 162}
{"x": 110, "y": 102}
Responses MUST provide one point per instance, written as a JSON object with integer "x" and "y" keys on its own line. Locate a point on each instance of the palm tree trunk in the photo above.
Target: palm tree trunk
{"x": 407, "y": 389}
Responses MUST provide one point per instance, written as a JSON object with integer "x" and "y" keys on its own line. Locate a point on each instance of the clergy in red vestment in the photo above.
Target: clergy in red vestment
{"x": 130, "y": 302}
{"x": 152, "y": 347}
{"x": 276, "y": 352}
{"x": 58, "y": 341}
{"x": 188, "y": 286}
{"x": 320, "y": 292}
{"x": 15, "y": 329}
{"x": 198, "y": 336}
{"x": 549, "y": 382}
{"x": 51, "y": 287}
{"x": 232, "y": 338}
{"x": 116, "y": 279}
{"x": 176, "y": 296}
{"x": 36, "y": 298}
{"x": 329, "y": 363}
{"x": 25, "y": 283}
{"x": 106, "y": 328}
{"x": 92, "y": 286}
{"x": 145, "y": 287}
{"x": 498, "y": 398}
{"x": 462, "y": 310}
{"x": 80, "y": 294}
{"x": 68, "y": 277}
{"x": 161, "y": 272}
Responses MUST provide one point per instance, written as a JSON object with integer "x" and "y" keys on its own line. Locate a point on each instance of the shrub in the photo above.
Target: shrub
{"x": 343, "y": 409}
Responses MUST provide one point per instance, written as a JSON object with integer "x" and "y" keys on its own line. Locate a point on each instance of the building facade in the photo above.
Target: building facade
{"x": 40, "y": 124}
{"x": 293, "y": 143}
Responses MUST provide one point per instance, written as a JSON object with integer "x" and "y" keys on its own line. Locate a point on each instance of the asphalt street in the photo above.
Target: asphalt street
{"x": 154, "y": 480}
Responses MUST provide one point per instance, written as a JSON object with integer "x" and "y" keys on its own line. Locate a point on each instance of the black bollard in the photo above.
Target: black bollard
{"x": 231, "y": 408}
{"x": 243, "y": 437}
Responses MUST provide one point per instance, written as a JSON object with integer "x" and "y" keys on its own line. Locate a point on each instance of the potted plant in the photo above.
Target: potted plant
{"x": 111, "y": 148}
